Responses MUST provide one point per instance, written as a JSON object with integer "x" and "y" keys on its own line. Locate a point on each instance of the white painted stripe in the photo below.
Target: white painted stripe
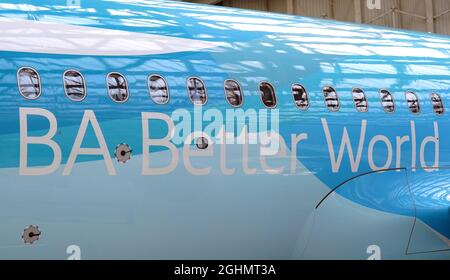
{"x": 19, "y": 35}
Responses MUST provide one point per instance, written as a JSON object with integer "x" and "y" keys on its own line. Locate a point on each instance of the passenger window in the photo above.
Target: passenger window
{"x": 413, "y": 102}
{"x": 359, "y": 97}
{"x": 331, "y": 99}
{"x": 29, "y": 83}
{"x": 117, "y": 87}
{"x": 268, "y": 96}
{"x": 438, "y": 106}
{"x": 387, "y": 101}
{"x": 301, "y": 98}
{"x": 74, "y": 85}
{"x": 159, "y": 89}
{"x": 197, "y": 91}
{"x": 233, "y": 93}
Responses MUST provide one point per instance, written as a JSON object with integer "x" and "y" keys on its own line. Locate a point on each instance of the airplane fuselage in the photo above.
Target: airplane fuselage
{"x": 159, "y": 129}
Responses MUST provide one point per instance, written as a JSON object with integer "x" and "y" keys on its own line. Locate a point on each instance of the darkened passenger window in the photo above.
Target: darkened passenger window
{"x": 413, "y": 102}
{"x": 331, "y": 99}
{"x": 438, "y": 106}
{"x": 268, "y": 96}
{"x": 233, "y": 93}
{"x": 197, "y": 91}
{"x": 29, "y": 83}
{"x": 117, "y": 87}
{"x": 301, "y": 98}
{"x": 159, "y": 89}
{"x": 74, "y": 85}
{"x": 360, "y": 99}
{"x": 387, "y": 101}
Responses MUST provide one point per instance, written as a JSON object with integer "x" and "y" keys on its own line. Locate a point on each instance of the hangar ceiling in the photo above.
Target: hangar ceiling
{"x": 420, "y": 15}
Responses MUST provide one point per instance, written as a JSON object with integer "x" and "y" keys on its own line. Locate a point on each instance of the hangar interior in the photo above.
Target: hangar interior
{"x": 421, "y": 15}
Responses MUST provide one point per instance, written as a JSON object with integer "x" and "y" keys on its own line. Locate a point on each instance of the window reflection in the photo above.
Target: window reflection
{"x": 74, "y": 85}
{"x": 331, "y": 99}
{"x": 438, "y": 106}
{"x": 159, "y": 89}
{"x": 413, "y": 102}
{"x": 387, "y": 101}
{"x": 360, "y": 100}
{"x": 29, "y": 83}
{"x": 117, "y": 87}
{"x": 268, "y": 96}
{"x": 233, "y": 93}
{"x": 300, "y": 95}
{"x": 197, "y": 91}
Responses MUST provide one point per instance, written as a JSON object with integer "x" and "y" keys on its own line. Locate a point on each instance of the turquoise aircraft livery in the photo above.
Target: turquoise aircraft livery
{"x": 133, "y": 129}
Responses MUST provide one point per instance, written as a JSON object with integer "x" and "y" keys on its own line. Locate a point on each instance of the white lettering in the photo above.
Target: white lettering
{"x": 376, "y": 139}
{"x": 89, "y": 117}
{"x": 46, "y": 140}
{"x": 164, "y": 142}
{"x": 354, "y": 162}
